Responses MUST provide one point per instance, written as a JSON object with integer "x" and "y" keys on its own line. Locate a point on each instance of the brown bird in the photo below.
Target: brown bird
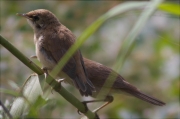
{"x": 99, "y": 74}
{"x": 52, "y": 40}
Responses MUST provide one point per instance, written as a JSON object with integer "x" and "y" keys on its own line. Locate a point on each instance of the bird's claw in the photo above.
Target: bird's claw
{"x": 59, "y": 82}
{"x": 78, "y": 112}
{"x": 96, "y": 115}
{"x": 109, "y": 99}
{"x": 45, "y": 69}
{"x": 86, "y": 108}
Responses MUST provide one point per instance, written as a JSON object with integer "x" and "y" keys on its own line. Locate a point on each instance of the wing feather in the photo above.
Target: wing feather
{"x": 74, "y": 68}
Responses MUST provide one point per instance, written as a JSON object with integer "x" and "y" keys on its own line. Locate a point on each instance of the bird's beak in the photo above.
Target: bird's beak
{"x": 24, "y": 15}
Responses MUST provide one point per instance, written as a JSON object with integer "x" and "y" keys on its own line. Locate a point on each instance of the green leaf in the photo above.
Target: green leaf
{"x": 9, "y": 92}
{"x": 127, "y": 45}
{"x": 170, "y": 7}
{"x": 121, "y": 8}
{"x": 31, "y": 91}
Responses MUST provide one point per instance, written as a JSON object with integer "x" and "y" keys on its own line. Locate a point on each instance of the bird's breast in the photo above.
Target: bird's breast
{"x": 43, "y": 56}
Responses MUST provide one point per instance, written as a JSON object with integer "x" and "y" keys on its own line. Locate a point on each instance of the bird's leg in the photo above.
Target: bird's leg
{"x": 108, "y": 100}
{"x": 86, "y": 109}
{"x": 45, "y": 69}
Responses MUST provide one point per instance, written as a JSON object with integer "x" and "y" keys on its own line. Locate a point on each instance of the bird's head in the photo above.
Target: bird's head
{"x": 40, "y": 19}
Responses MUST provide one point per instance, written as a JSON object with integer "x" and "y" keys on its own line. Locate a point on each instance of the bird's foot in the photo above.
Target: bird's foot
{"x": 109, "y": 99}
{"x": 86, "y": 108}
{"x": 45, "y": 69}
{"x": 59, "y": 82}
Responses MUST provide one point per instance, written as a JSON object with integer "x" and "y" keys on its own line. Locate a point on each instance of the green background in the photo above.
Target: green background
{"x": 153, "y": 65}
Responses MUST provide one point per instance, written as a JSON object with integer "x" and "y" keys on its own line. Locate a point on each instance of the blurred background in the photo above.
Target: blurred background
{"x": 153, "y": 65}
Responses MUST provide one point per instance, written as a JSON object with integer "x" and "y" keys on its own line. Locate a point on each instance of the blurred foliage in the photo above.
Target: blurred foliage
{"x": 169, "y": 7}
{"x": 153, "y": 65}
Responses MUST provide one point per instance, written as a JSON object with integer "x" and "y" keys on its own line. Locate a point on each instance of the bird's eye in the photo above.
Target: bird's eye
{"x": 35, "y": 18}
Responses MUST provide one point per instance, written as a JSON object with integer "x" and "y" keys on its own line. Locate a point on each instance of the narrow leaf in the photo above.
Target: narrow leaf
{"x": 170, "y": 7}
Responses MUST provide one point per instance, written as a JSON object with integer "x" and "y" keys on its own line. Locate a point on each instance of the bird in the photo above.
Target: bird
{"x": 52, "y": 40}
{"x": 98, "y": 74}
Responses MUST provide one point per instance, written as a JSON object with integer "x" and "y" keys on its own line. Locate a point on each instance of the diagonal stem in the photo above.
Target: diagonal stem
{"x": 63, "y": 92}
{"x": 6, "y": 110}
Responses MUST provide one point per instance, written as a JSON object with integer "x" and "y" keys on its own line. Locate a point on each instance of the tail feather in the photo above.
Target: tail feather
{"x": 89, "y": 85}
{"x": 80, "y": 85}
{"x": 145, "y": 97}
{"x": 130, "y": 89}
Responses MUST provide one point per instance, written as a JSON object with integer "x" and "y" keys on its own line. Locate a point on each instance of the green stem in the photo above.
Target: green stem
{"x": 20, "y": 56}
{"x": 68, "y": 96}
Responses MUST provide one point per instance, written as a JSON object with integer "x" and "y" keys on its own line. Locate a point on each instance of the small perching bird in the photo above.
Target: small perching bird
{"x": 52, "y": 40}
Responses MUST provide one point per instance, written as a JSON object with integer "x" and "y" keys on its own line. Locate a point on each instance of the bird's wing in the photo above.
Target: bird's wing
{"x": 74, "y": 68}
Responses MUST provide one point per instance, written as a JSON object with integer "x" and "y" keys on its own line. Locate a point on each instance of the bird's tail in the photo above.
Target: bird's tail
{"x": 135, "y": 92}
